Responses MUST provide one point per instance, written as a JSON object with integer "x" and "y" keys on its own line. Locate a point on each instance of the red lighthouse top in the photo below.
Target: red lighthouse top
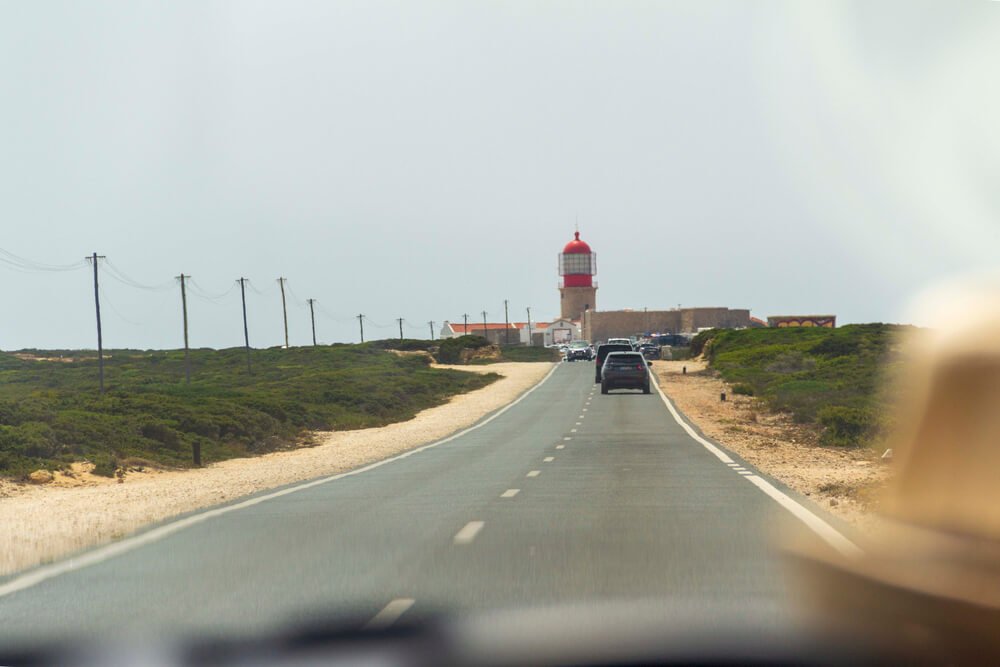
{"x": 577, "y": 264}
{"x": 576, "y": 246}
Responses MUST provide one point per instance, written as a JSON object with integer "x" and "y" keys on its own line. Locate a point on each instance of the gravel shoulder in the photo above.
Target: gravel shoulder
{"x": 845, "y": 481}
{"x": 39, "y": 524}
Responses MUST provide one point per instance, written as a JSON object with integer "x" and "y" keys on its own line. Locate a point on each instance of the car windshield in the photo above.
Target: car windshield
{"x": 625, "y": 359}
{"x": 304, "y": 325}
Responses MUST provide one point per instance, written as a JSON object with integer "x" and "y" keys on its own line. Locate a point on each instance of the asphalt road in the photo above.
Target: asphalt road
{"x": 568, "y": 496}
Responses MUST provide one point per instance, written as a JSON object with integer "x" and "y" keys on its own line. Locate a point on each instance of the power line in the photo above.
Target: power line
{"x": 110, "y": 304}
{"x": 301, "y": 303}
{"x": 125, "y": 279}
{"x": 29, "y": 265}
{"x": 254, "y": 289}
{"x": 200, "y": 292}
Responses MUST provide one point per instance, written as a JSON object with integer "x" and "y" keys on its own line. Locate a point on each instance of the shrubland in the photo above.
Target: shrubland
{"x": 832, "y": 379}
{"x": 51, "y": 413}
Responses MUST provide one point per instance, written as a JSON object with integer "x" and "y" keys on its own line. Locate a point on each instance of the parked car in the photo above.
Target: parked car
{"x": 603, "y": 351}
{"x": 625, "y": 370}
{"x": 579, "y": 349}
{"x": 650, "y": 351}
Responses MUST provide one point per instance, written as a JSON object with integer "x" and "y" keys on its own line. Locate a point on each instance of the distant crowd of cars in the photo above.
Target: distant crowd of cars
{"x": 619, "y": 363}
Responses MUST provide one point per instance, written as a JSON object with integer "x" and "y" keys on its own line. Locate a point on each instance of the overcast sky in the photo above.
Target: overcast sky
{"x": 426, "y": 159}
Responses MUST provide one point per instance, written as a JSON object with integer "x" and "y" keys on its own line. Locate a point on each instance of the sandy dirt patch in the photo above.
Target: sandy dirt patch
{"x": 843, "y": 480}
{"x": 41, "y": 523}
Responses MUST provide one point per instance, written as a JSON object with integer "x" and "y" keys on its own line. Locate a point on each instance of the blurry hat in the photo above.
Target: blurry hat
{"x": 929, "y": 577}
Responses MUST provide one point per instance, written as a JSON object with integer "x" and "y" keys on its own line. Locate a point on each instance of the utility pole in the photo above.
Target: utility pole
{"x": 529, "y": 327}
{"x": 361, "y": 323}
{"x": 400, "y": 320}
{"x": 312, "y": 317}
{"x": 284, "y": 308}
{"x": 246, "y": 331}
{"x": 431, "y": 325}
{"x": 184, "y": 307}
{"x": 465, "y": 316}
{"x": 100, "y": 341}
{"x": 484, "y": 327}
{"x": 506, "y": 321}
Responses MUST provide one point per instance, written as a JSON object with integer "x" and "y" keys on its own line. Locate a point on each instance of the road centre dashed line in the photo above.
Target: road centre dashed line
{"x": 510, "y": 493}
{"x": 560, "y": 446}
{"x": 568, "y": 438}
{"x": 389, "y": 614}
{"x": 109, "y": 551}
{"x": 468, "y": 532}
{"x": 548, "y": 459}
{"x": 534, "y": 473}
{"x": 825, "y": 531}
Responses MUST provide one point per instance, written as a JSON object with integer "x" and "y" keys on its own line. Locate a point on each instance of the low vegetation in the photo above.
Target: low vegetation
{"x": 468, "y": 349}
{"x": 51, "y": 413}
{"x": 830, "y": 378}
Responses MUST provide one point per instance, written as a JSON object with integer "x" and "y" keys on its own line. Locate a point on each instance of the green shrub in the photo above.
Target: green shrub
{"x": 51, "y": 413}
{"x": 450, "y": 349}
{"x": 700, "y": 342}
{"x": 743, "y": 389}
{"x": 105, "y": 465}
{"x": 825, "y": 377}
{"x": 846, "y": 425}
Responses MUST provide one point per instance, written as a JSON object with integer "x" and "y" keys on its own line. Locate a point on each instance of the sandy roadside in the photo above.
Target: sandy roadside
{"x": 843, "y": 480}
{"x": 41, "y": 523}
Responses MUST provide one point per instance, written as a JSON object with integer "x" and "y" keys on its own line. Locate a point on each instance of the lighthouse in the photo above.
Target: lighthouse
{"x": 577, "y": 289}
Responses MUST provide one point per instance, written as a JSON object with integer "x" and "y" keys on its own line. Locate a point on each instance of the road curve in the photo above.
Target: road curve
{"x": 568, "y": 496}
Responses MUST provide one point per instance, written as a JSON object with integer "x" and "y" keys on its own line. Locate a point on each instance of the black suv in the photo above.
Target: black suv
{"x": 603, "y": 351}
{"x": 625, "y": 370}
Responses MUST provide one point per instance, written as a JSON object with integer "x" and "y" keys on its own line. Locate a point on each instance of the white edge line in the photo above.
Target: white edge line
{"x": 721, "y": 455}
{"x": 817, "y": 525}
{"x": 389, "y": 614}
{"x": 101, "y": 554}
{"x": 825, "y": 531}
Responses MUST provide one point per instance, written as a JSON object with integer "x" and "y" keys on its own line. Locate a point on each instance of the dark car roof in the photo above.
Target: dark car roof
{"x": 624, "y": 354}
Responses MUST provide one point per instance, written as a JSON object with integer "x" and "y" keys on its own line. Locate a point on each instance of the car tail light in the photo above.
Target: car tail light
{"x": 638, "y": 367}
